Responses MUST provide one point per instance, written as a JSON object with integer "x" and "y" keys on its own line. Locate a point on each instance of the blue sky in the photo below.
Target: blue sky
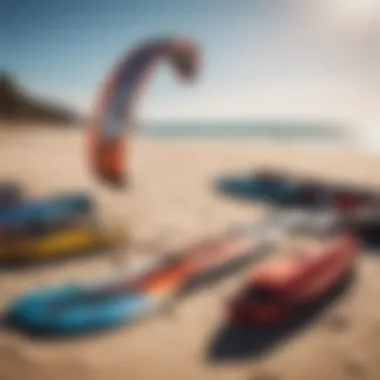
{"x": 261, "y": 57}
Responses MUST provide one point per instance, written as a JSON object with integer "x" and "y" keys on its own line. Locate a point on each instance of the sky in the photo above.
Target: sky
{"x": 261, "y": 58}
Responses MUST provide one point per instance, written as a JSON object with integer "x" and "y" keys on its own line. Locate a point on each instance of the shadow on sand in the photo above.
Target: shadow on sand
{"x": 238, "y": 343}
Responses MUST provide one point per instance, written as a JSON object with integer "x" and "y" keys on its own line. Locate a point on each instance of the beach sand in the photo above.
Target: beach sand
{"x": 170, "y": 204}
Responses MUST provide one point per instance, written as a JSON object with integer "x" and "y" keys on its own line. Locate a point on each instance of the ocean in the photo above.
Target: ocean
{"x": 264, "y": 130}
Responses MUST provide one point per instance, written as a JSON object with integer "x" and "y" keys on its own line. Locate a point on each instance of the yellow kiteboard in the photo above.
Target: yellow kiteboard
{"x": 62, "y": 243}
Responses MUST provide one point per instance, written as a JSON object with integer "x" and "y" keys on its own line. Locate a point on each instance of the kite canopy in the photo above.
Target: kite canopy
{"x": 114, "y": 111}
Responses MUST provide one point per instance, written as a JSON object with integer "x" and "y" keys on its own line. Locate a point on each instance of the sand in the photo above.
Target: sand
{"x": 171, "y": 203}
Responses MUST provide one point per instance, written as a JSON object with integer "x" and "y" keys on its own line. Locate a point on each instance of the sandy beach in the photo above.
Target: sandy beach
{"x": 171, "y": 204}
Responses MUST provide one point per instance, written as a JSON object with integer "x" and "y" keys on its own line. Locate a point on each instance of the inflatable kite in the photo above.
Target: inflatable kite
{"x": 114, "y": 110}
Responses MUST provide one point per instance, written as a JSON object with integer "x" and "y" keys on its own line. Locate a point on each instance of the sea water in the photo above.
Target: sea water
{"x": 291, "y": 131}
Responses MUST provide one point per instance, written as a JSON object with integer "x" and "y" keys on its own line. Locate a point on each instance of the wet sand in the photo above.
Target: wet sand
{"x": 172, "y": 203}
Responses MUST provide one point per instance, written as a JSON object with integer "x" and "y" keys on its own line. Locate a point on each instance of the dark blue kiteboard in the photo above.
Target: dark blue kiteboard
{"x": 283, "y": 190}
{"x": 275, "y": 188}
{"x": 256, "y": 187}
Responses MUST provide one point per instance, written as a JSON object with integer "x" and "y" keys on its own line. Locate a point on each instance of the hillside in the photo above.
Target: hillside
{"x": 16, "y": 105}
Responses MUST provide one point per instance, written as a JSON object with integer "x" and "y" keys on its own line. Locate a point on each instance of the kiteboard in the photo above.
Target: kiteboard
{"x": 286, "y": 190}
{"x": 295, "y": 280}
{"x": 41, "y": 215}
{"x": 264, "y": 185}
{"x": 64, "y": 243}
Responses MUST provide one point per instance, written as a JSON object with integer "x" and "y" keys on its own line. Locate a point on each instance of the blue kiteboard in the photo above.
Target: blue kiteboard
{"x": 43, "y": 213}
